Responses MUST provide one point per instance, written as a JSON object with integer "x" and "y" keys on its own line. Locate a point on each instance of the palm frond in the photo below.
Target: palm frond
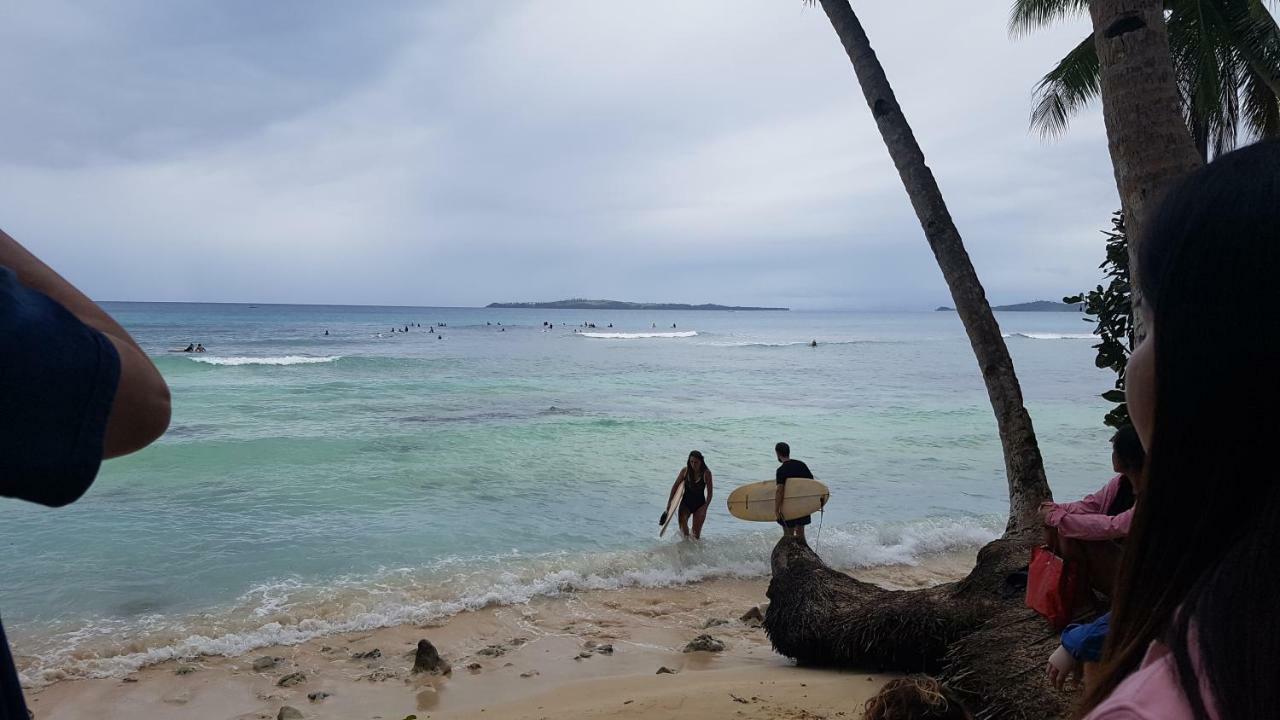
{"x": 1258, "y": 40}
{"x": 1029, "y": 15}
{"x": 1207, "y": 69}
{"x": 1070, "y": 86}
{"x": 1260, "y": 106}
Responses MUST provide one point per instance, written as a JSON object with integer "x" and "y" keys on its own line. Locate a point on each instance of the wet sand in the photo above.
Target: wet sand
{"x": 585, "y": 655}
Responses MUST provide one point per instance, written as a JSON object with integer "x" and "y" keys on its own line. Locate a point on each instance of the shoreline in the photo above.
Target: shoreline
{"x": 543, "y": 658}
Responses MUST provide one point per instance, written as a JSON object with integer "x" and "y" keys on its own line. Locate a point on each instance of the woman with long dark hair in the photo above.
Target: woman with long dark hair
{"x": 1195, "y": 631}
{"x": 696, "y": 477}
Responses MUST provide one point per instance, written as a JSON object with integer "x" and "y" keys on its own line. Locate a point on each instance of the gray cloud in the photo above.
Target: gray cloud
{"x": 458, "y": 153}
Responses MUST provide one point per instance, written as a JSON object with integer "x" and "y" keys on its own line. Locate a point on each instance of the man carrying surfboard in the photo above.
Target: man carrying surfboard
{"x": 789, "y": 469}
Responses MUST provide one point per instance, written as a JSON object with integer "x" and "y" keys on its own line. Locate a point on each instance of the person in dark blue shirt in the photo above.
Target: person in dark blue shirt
{"x": 790, "y": 469}
{"x": 74, "y": 389}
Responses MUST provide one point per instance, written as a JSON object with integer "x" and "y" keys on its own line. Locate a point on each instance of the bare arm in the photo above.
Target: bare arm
{"x": 140, "y": 412}
{"x": 710, "y": 489}
{"x": 778, "y": 497}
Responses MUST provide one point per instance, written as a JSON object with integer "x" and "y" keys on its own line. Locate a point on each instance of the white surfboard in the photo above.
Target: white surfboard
{"x": 756, "y": 501}
{"x": 673, "y": 509}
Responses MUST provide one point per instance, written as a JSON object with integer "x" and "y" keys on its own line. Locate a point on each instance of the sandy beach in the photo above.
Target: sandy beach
{"x": 583, "y": 655}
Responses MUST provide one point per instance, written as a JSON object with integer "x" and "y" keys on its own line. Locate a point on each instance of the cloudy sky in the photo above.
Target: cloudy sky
{"x": 458, "y": 153}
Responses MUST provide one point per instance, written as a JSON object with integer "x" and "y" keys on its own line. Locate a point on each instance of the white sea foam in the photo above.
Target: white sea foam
{"x": 795, "y": 343}
{"x": 1052, "y": 336}
{"x": 290, "y": 612}
{"x": 280, "y": 360}
{"x": 639, "y": 335}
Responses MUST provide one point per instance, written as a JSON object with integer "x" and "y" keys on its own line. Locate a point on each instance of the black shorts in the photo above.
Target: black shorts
{"x": 798, "y": 522}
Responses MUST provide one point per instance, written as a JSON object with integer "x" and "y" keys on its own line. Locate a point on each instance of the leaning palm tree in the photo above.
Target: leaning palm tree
{"x": 976, "y": 632}
{"x": 1024, "y": 466}
{"x": 820, "y": 616}
{"x": 1226, "y": 61}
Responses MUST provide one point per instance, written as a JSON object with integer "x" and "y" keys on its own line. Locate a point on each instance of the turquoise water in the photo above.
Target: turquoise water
{"x": 311, "y": 484}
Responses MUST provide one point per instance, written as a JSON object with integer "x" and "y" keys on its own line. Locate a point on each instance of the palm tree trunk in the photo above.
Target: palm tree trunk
{"x": 1024, "y": 467}
{"x": 1148, "y": 138}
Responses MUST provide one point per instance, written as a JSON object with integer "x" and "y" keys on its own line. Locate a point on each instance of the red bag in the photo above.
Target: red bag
{"x": 1051, "y": 587}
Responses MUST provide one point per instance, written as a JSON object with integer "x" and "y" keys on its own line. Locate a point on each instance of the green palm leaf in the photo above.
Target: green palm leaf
{"x": 1029, "y": 15}
{"x": 1260, "y": 106}
{"x": 1070, "y": 86}
{"x": 1226, "y": 59}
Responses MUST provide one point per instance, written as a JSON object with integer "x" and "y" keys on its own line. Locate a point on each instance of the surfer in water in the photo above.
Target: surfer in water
{"x": 696, "y": 477}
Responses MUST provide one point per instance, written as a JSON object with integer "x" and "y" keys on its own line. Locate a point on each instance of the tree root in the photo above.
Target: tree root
{"x": 975, "y": 634}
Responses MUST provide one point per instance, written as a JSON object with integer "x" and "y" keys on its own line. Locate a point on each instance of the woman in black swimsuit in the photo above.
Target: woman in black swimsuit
{"x": 697, "y": 494}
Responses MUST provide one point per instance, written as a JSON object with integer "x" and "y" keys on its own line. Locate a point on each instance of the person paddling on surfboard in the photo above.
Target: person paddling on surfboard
{"x": 787, "y": 470}
{"x": 696, "y": 477}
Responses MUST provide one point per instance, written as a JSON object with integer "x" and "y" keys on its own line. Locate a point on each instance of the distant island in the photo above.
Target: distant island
{"x": 1036, "y": 306}
{"x": 581, "y": 304}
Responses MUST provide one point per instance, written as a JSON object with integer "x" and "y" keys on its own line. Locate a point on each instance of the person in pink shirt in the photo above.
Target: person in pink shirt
{"x": 1195, "y": 630}
{"x": 1090, "y": 531}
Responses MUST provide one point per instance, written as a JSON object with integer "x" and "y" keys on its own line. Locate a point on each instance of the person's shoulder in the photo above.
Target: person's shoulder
{"x": 1152, "y": 692}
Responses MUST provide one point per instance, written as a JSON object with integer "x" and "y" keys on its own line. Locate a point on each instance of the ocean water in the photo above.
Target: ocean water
{"x": 312, "y": 484}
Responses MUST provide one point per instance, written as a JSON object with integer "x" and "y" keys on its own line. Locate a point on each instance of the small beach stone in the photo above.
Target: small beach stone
{"x": 704, "y": 643}
{"x": 130, "y": 680}
{"x": 664, "y": 670}
{"x": 492, "y": 650}
{"x": 288, "y": 712}
{"x": 605, "y": 649}
{"x": 184, "y": 670}
{"x": 756, "y": 613}
{"x": 714, "y": 622}
{"x": 265, "y": 662}
{"x": 367, "y": 655}
{"x": 529, "y": 673}
{"x": 426, "y": 659}
{"x": 294, "y": 678}
{"x": 318, "y": 696}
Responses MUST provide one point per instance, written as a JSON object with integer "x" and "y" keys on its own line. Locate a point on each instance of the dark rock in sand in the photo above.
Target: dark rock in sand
{"x": 529, "y": 673}
{"x": 704, "y": 643}
{"x": 288, "y": 712}
{"x": 492, "y": 650}
{"x": 475, "y": 667}
{"x": 756, "y": 613}
{"x": 583, "y": 656}
{"x": 427, "y": 660}
{"x": 265, "y": 663}
{"x": 318, "y": 696}
{"x": 664, "y": 670}
{"x": 714, "y": 622}
{"x": 295, "y": 678}
{"x": 367, "y": 655}
{"x": 605, "y": 649}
